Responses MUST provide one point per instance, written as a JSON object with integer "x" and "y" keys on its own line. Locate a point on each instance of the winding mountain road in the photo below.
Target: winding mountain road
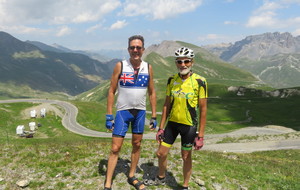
{"x": 70, "y": 123}
{"x": 69, "y": 118}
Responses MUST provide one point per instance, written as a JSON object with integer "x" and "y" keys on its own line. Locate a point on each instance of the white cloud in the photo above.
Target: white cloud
{"x": 21, "y": 29}
{"x": 290, "y": 1}
{"x": 213, "y": 36}
{"x": 229, "y": 1}
{"x": 217, "y": 38}
{"x": 93, "y": 28}
{"x": 264, "y": 15}
{"x": 296, "y": 32}
{"x": 159, "y": 9}
{"x": 268, "y": 15}
{"x": 210, "y": 37}
{"x": 269, "y": 6}
{"x": 155, "y": 34}
{"x": 118, "y": 25}
{"x": 294, "y": 20}
{"x": 15, "y": 12}
{"x": 230, "y": 22}
{"x": 63, "y": 31}
{"x": 264, "y": 19}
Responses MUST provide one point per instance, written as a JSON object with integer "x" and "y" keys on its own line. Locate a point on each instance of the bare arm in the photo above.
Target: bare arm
{"x": 152, "y": 93}
{"x": 165, "y": 112}
{"x": 202, "y": 116}
{"x": 113, "y": 88}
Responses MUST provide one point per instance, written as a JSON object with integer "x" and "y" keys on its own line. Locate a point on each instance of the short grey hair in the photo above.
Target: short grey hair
{"x": 136, "y": 37}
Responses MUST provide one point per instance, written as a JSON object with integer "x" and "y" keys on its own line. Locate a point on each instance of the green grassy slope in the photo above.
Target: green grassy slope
{"x": 10, "y": 90}
{"x": 12, "y": 115}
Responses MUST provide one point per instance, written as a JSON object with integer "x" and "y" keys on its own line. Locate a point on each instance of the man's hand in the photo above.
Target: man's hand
{"x": 198, "y": 143}
{"x": 109, "y": 121}
{"x": 160, "y": 135}
{"x": 153, "y": 123}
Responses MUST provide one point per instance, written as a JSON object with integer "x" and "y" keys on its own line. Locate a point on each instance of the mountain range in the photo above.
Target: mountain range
{"x": 271, "y": 57}
{"x": 53, "y": 68}
{"x": 48, "y": 69}
{"x": 103, "y": 55}
{"x": 218, "y": 73}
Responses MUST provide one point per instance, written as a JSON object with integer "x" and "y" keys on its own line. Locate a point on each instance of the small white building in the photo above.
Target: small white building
{"x": 33, "y": 113}
{"x": 20, "y": 130}
{"x": 43, "y": 112}
{"x": 32, "y": 126}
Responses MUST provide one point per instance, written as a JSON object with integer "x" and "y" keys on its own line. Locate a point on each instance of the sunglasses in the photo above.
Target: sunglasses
{"x": 185, "y": 61}
{"x": 137, "y": 47}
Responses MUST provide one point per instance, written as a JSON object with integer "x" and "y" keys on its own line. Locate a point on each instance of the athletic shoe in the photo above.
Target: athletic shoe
{"x": 156, "y": 181}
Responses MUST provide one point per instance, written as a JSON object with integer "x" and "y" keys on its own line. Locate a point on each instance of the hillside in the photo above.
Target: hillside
{"x": 100, "y": 56}
{"x": 280, "y": 70}
{"x": 218, "y": 73}
{"x": 42, "y": 68}
{"x": 167, "y": 48}
{"x": 23, "y": 64}
{"x": 271, "y": 57}
{"x": 206, "y": 64}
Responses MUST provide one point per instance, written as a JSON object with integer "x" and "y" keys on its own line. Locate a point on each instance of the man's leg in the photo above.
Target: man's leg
{"x": 135, "y": 154}
{"x": 162, "y": 154}
{"x": 160, "y": 179}
{"x": 138, "y": 124}
{"x": 113, "y": 159}
{"x": 187, "y": 166}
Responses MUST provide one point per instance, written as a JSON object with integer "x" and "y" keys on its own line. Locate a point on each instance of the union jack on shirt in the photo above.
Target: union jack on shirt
{"x": 127, "y": 80}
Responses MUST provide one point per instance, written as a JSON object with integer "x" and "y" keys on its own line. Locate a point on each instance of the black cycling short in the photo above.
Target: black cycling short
{"x": 187, "y": 133}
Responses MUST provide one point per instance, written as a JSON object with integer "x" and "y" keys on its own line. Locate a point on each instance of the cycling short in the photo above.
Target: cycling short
{"x": 187, "y": 133}
{"x": 125, "y": 117}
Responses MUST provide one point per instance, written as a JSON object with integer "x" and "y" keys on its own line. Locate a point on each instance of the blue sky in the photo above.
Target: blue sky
{"x": 107, "y": 24}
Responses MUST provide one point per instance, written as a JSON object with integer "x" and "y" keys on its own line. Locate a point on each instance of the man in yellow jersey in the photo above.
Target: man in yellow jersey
{"x": 184, "y": 111}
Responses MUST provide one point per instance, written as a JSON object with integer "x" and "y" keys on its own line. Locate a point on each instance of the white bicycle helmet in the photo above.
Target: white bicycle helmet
{"x": 184, "y": 52}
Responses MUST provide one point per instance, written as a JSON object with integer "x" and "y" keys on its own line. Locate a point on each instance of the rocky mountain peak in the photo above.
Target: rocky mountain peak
{"x": 274, "y": 58}
{"x": 256, "y": 46}
{"x": 282, "y": 39}
{"x": 165, "y": 49}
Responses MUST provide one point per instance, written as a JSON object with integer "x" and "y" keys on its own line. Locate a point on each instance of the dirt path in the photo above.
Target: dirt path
{"x": 49, "y": 108}
{"x": 250, "y": 139}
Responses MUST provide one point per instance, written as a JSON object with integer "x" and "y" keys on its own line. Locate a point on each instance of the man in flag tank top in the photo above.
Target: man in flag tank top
{"x": 132, "y": 80}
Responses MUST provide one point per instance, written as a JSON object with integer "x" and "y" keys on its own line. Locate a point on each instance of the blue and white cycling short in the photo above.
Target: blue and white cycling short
{"x": 125, "y": 117}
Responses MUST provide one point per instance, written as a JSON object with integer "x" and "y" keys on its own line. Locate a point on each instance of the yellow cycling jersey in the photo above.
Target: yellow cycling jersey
{"x": 185, "y": 95}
